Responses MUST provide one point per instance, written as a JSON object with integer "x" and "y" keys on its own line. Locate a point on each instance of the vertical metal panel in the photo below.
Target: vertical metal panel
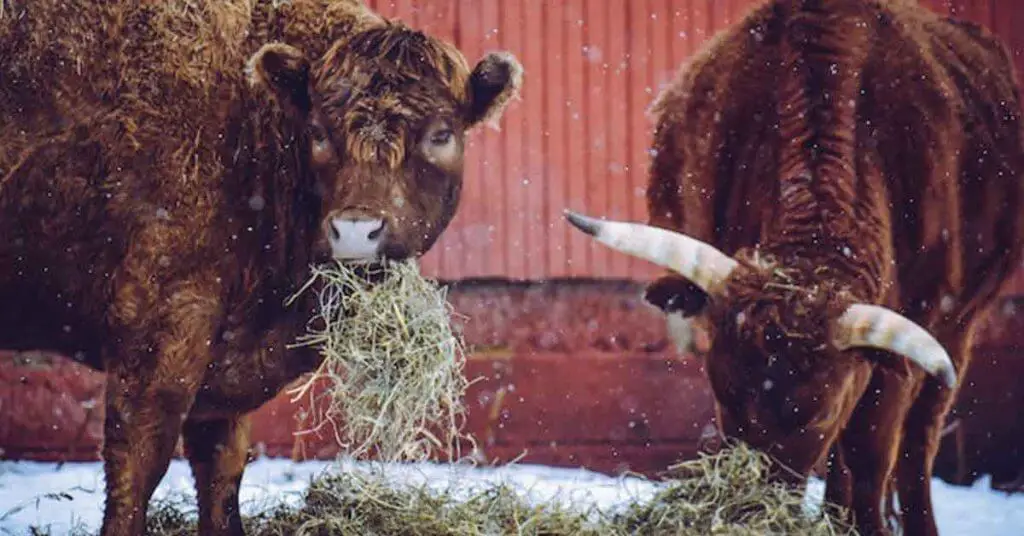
{"x": 533, "y": 147}
{"x": 595, "y": 97}
{"x": 615, "y": 44}
{"x": 555, "y": 116}
{"x": 470, "y": 231}
{"x": 576, "y": 80}
{"x": 580, "y": 136}
{"x": 513, "y": 210}
{"x": 638, "y": 134}
{"x": 496, "y": 176}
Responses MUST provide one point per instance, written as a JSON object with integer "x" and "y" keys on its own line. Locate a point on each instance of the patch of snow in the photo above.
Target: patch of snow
{"x": 69, "y": 497}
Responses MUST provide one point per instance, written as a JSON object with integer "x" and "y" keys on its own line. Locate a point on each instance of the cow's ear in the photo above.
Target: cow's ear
{"x": 673, "y": 293}
{"x": 283, "y": 70}
{"x": 493, "y": 84}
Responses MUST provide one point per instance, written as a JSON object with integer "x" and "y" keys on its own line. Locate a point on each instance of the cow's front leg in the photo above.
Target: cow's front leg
{"x": 838, "y": 483}
{"x": 141, "y": 428}
{"x": 158, "y": 357}
{"x": 218, "y": 451}
{"x": 870, "y": 444}
{"x": 921, "y": 441}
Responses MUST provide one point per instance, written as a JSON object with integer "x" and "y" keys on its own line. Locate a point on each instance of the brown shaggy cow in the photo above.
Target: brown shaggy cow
{"x": 832, "y": 162}
{"x": 169, "y": 171}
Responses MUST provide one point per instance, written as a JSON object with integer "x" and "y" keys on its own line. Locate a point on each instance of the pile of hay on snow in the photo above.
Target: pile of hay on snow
{"x": 392, "y": 363}
{"x": 722, "y": 494}
{"x": 729, "y": 493}
{"x": 361, "y": 503}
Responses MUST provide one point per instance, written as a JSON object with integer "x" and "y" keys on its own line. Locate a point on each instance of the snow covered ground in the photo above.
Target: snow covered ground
{"x": 38, "y": 494}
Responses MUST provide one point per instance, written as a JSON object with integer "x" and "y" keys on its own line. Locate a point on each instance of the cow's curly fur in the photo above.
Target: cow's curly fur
{"x": 166, "y": 169}
{"x": 845, "y": 151}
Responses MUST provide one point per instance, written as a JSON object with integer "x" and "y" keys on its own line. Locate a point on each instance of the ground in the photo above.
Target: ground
{"x": 60, "y": 498}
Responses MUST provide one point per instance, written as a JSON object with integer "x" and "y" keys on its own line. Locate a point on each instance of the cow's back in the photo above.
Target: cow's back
{"x": 991, "y": 160}
{"x": 69, "y": 62}
{"x": 937, "y": 125}
{"x": 112, "y": 122}
{"x": 942, "y": 126}
{"x": 110, "y": 111}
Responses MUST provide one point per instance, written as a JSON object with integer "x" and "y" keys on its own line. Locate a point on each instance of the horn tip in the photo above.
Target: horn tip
{"x": 586, "y": 224}
{"x": 948, "y": 376}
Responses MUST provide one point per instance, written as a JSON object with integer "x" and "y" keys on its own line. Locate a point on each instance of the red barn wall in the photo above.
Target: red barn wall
{"x": 580, "y": 136}
{"x": 576, "y": 370}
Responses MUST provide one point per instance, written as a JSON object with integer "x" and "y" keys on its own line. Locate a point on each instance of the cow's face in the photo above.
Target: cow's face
{"x": 383, "y": 118}
{"x": 779, "y": 382}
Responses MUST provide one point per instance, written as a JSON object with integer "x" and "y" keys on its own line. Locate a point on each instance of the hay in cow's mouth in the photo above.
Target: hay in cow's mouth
{"x": 392, "y": 363}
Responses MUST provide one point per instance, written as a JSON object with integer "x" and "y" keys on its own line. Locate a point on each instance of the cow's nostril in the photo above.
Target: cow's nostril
{"x": 375, "y": 234}
{"x": 333, "y": 232}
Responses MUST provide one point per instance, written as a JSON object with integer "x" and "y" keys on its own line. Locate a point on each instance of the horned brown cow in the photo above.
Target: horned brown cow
{"x": 169, "y": 171}
{"x": 837, "y": 184}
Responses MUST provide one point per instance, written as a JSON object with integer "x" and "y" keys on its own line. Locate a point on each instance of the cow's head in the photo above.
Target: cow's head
{"x": 786, "y": 346}
{"x": 383, "y": 117}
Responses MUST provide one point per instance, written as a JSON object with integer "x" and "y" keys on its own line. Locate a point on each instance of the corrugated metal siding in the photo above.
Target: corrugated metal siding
{"x": 579, "y": 138}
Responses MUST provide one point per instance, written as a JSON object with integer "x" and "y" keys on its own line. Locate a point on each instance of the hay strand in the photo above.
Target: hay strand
{"x": 392, "y": 363}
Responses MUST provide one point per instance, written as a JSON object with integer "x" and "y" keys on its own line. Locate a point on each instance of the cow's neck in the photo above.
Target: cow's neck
{"x": 272, "y": 227}
{"x": 275, "y": 211}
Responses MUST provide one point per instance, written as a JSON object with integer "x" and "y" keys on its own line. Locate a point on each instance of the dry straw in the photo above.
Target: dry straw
{"x": 392, "y": 363}
{"x": 727, "y": 493}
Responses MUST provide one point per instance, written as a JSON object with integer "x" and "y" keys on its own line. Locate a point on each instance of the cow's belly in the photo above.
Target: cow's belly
{"x": 227, "y": 394}
{"x": 68, "y": 328}
{"x": 242, "y": 382}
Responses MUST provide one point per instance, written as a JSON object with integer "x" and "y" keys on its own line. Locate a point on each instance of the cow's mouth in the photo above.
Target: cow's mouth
{"x": 394, "y": 252}
{"x": 387, "y": 253}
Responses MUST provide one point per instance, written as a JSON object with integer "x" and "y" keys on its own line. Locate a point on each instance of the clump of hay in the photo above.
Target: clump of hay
{"x": 359, "y": 503}
{"x": 729, "y": 493}
{"x": 393, "y": 364}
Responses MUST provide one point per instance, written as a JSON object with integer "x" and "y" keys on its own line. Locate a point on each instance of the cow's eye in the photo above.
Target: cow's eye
{"x": 442, "y": 136}
{"x": 317, "y": 133}
{"x": 320, "y": 143}
{"x": 440, "y": 146}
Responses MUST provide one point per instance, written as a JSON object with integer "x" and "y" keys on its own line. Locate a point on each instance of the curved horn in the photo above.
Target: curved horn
{"x": 697, "y": 261}
{"x": 878, "y": 327}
